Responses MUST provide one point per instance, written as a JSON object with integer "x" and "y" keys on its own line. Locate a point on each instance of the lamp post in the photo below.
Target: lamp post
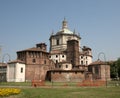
{"x": 102, "y": 53}
{"x": 3, "y": 63}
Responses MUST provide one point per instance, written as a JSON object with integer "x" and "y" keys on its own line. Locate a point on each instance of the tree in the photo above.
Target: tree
{"x": 118, "y": 67}
{"x": 113, "y": 70}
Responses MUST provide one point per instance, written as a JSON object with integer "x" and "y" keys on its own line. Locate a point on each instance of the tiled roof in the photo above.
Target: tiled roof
{"x": 32, "y": 49}
{"x": 98, "y": 62}
{"x": 3, "y": 64}
{"x": 16, "y": 61}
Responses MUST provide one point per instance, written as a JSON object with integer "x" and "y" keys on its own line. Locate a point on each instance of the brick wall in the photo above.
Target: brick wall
{"x": 67, "y": 76}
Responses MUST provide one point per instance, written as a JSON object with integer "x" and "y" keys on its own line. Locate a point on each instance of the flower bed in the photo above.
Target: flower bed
{"x": 9, "y": 91}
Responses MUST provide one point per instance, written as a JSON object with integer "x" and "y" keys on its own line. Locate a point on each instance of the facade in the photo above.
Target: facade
{"x": 85, "y": 56}
{"x": 16, "y": 71}
{"x": 71, "y": 60}
{"x": 100, "y": 70}
{"x": 60, "y": 44}
{"x": 37, "y": 62}
{"x": 66, "y": 61}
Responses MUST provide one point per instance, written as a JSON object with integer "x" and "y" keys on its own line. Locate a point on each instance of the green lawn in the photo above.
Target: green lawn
{"x": 84, "y": 92}
{"x": 58, "y": 90}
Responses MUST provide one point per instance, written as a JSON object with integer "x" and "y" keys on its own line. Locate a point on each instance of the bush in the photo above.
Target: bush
{"x": 9, "y": 91}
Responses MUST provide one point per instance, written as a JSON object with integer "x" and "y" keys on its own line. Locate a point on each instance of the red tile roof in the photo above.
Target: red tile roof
{"x": 16, "y": 61}
{"x": 98, "y": 62}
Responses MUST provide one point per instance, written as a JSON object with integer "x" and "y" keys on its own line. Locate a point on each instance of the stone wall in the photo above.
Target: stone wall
{"x": 73, "y": 52}
{"x": 67, "y": 76}
{"x": 36, "y": 72}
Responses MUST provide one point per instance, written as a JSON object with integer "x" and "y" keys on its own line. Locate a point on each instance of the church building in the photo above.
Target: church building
{"x": 66, "y": 60}
{"x": 70, "y": 59}
{"x": 65, "y": 46}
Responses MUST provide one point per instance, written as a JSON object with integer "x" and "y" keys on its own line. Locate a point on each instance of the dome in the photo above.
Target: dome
{"x": 64, "y": 29}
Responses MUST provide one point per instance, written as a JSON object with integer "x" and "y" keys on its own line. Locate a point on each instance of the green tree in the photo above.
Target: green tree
{"x": 113, "y": 72}
{"x": 118, "y": 67}
{"x": 115, "y": 69}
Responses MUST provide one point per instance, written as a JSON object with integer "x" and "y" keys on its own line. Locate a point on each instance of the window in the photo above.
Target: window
{"x": 21, "y": 70}
{"x": 81, "y": 57}
{"x": 57, "y": 41}
{"x": 62, "y": 56}
{"x": 86, "y": 62}
{"x": 75, "y": 72}
{"x": 59, "y": 66}
{"x": 96, "y": 70}
{"x": 66, "y": 66}
{"x": 56, "y": 56}
{"x": 56, "y": 61}
{"x": 90, "y": 69}
{"x": 81, "y": 62}
{"x": 44, "y": 61}
{"x": 33, "y": 60}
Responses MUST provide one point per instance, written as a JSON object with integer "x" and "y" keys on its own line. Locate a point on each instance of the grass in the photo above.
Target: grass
{"x": 57, "y": 90}
{"x": 111, "y": 92}
{"x": 15, "y": 83}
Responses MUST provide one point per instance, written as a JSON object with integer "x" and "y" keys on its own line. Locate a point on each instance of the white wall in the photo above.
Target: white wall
{"x": 11, "y": 73}
{"x": 67, "y": 66}
{"x": 60, "y": 57}
{"x": 20, "y": 76}
{"x": 14, "y": 73}
{"x": 62, "y": 41}
{"x": 86, "y": 60}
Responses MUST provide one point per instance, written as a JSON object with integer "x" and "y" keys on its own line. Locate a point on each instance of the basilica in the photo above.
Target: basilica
{"x": 71, "y": 60}
{"x": 66, "y": 60}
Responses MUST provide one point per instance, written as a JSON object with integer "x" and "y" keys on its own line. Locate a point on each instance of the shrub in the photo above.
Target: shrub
{"x": 9, "y": 91}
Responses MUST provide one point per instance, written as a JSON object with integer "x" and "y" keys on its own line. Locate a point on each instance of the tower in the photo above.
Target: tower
{"x": 58, "y": 42}
{"x": 42, "y": 46}
{"x": 73, "y": 52}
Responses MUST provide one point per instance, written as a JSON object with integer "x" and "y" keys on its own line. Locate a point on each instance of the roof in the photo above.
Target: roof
{"x": 65, "y": 28}
{"x": 16, "y": 61}
{"x": 64, "y": 31}
{"x": 33, "y": 49}
{"x": 86, "y": 48}
{"x": 61, "y": 70}
{"x": 3, "y": 64}
{"x": 98, "y": 62}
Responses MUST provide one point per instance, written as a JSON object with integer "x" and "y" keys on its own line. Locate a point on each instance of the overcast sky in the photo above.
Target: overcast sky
{"x": 24, "y": 23}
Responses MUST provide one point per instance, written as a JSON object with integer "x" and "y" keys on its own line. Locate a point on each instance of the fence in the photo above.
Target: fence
{"x": 63, "y": 84}
{"x": 86, "y": 83}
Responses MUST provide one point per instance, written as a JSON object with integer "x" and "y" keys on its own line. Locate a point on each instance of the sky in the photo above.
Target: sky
{"x": 25, "y": 23}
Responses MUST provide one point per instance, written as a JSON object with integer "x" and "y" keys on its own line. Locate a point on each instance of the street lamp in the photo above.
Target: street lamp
{"x": 102, "y": 53}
